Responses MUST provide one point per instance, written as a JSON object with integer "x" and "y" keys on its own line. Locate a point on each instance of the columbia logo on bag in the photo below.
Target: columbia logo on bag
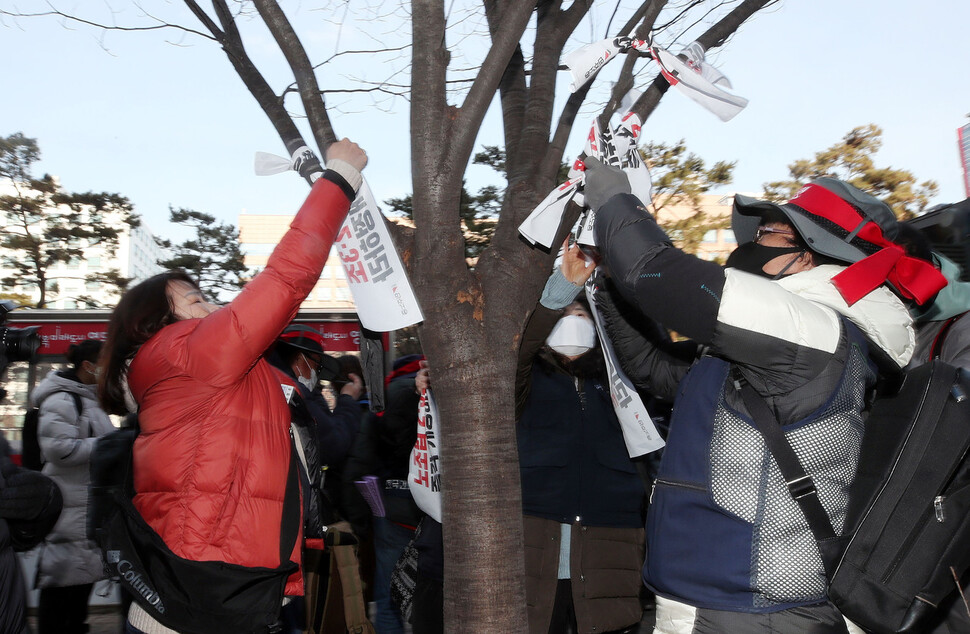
{"x": 135, "y": 579}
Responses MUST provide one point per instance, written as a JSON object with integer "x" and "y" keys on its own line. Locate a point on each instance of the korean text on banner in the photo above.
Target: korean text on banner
{"x": 639, "y": 432}
{"x": 383, "y": 295}
{"x": 424, "y": 470}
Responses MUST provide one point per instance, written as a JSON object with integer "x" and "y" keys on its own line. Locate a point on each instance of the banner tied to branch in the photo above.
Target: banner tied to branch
{"x": 375, "y": 274}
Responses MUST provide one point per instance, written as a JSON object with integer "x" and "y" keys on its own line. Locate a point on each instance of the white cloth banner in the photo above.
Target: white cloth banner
{"x": 376, "y": 277}
{"x": 639, "y": 432}
{"x": 383, "y": 295}
{"x": 424, "y": 469}
{"x": 584, "y": 62}
{"x": 617, "y": 147}
{"x": 541, "y": 225}
{"x": 692, "y": 83}
{"x": 695, "y": 53}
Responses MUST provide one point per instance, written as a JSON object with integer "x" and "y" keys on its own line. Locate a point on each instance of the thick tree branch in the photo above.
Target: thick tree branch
{"x": 251, "y": 77}
{"x": 299, "y": 61}
{"x": 515, "y": 18}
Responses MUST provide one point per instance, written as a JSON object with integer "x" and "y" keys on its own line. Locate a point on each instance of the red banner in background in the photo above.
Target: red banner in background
{"x": 339, "y": 336}
{"x": 56, "y": 337}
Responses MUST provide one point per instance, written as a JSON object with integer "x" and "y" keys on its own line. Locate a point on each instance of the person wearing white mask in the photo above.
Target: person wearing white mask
{"x": 582, "y": 498}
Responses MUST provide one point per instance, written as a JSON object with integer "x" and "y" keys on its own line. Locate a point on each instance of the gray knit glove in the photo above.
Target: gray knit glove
{"x": 603, "y": 182}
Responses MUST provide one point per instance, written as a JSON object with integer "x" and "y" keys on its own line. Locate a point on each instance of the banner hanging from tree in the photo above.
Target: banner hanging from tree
{"x": 375, "y": 274}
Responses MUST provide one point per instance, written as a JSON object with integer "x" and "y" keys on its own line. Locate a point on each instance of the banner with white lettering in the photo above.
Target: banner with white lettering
{"x": 424, "y": 470}
{"x": 639, "y": 432}
{"x": 375, "y": 274}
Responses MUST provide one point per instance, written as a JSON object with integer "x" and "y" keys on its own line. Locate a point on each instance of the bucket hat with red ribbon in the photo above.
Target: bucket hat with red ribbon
{"x": 307, "y": 339}
{"x": 845, "y": 223}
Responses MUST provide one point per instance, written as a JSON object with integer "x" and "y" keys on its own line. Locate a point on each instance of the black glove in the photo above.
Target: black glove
{"x": 30, "y": 502}
{"x": 24, "y": 494}
{"x": 603, "y": 182}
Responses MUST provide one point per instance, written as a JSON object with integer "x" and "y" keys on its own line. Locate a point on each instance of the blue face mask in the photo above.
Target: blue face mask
{"x": 949, "y": 302}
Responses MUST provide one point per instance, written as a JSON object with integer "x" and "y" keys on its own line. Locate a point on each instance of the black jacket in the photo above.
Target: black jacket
{"x": 383, "y": 448}
{"x": 30, "y": 504}
{"x": 325, "y": 438}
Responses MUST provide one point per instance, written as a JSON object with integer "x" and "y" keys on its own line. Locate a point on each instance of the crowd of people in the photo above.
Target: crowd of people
{"x": 240, "y": 464}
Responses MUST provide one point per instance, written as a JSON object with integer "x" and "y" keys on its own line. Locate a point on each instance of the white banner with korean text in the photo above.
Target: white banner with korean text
{"x": 424, "y": 469}
{"x": 639, "y": 432}
{"x": 383, "y": 295}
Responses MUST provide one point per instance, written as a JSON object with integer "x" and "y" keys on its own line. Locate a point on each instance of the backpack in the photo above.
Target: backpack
{"x": 108, "y": 468}
{"x": 903, "y": 548}
{"x": 30, "y": 454}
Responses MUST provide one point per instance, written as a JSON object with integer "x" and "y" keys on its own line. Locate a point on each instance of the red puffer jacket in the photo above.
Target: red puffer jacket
{"x": 212, "y": 457}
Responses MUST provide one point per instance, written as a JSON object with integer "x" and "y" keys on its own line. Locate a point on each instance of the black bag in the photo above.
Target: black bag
{"x": 193, "y": 597}
{"x": 904, "y": 545}
{"x": 108, "y": 469}
{"x": 30, "y": 455}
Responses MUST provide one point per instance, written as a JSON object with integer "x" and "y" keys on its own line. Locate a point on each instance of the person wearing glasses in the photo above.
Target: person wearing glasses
{"x": 806, "y": 311}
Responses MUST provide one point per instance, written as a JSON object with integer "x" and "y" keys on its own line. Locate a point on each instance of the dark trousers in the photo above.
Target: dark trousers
{"x": 564, "y": 612}
{"x": 427, "y": 611}
{"x": 64, "y": 610}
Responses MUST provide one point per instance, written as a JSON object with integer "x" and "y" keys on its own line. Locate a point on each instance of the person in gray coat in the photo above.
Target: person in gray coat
{"x": 70, "y": 422}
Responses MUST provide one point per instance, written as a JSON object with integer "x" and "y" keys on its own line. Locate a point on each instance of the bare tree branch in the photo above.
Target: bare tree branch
{"x": 712, "y": 38}
{"x": 258, "y": 86}
{"x": 289, "y": 43}
{"x": 504, "y": 43}
{"x": 107, "y": 27}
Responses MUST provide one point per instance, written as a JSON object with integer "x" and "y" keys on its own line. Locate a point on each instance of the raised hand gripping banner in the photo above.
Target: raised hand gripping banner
{"x": 375, "y": 274}
{"x": 614, "y": 146}
{"x": 424, "y": 469}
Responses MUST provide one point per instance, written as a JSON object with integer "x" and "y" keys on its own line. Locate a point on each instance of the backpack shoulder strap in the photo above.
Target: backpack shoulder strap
{"x": 78, "y": 402}
{"x": 937, "y": 347}
{"x": 800, "y": 484}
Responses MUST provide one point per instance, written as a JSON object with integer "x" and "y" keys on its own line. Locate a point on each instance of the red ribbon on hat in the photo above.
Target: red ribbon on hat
{"x": 914, "y": 278}
{"x": 301, "y": 334}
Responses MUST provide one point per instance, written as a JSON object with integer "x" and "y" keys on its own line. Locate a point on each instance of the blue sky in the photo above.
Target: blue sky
{"x": 165, "y": 121}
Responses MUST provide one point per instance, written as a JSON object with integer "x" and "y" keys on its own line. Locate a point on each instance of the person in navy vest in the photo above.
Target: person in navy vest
{"x": 581, "y": 495}
{"x": 806, "y": 311}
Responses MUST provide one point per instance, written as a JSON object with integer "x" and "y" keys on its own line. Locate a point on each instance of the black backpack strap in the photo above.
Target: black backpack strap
{"x": 937, "y": 346}
{"x": 800, "y": 484}
{"x": 292, "y": 503}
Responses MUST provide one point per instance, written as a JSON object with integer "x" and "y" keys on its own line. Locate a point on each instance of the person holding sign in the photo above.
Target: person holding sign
{"x": 213, "y": 465}
{"x": 581, "y": 494}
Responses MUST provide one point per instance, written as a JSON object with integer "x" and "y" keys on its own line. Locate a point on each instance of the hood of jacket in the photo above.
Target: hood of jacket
{"x": 54, "y": 382}
{"x": 881, "y": 315}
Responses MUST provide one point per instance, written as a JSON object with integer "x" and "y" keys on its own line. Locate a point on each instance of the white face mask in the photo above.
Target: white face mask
{"x": 309, "y": 382}
{"x": 572, "y": 336}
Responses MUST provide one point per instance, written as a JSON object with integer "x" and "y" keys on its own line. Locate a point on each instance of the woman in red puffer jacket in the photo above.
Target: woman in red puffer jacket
{"x": 212, "y": 458}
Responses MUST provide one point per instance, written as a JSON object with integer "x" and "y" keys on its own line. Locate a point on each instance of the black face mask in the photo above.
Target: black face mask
{"x": 751, "y": 257}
